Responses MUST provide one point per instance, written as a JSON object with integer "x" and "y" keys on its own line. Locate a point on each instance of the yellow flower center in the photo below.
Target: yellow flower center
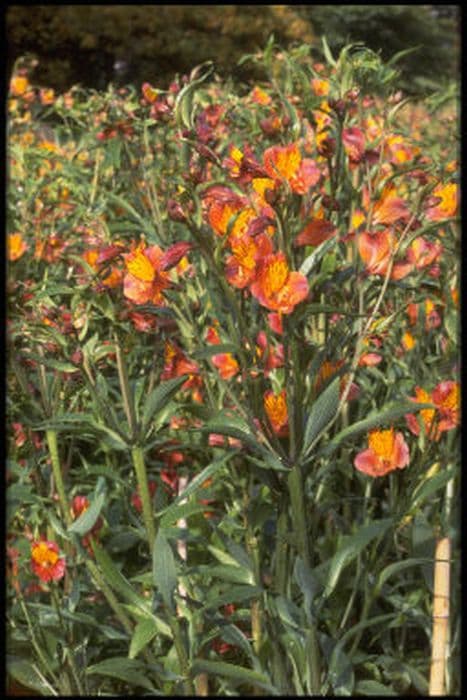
{"x": 275, "y": 276}
{"x": 44, "y": 556}
{"x": 276, "y": 409}
{"x": 382, "y": 443}
{"x": 140, "y": 266}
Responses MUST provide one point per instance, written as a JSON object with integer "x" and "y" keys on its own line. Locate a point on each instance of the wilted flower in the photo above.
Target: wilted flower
{"x": 387, "y": 451}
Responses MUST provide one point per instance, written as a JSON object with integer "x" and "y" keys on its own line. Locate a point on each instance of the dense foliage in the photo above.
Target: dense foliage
{"x": 233, "y": 393}
{"x": 95, "y": 44}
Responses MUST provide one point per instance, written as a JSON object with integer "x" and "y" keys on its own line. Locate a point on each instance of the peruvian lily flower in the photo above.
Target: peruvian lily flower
{"x": 285, "y": 163}
{"x": 275, "y": 406}
{"x": 446, "y": 414}
{"x": 387, "y": 451}
{"x": 446, "y": 202}
{"x": 376, "y": 250}
{"x": 276, "y": 287}
{"x": 145, "y": 280}
{"x": 46, "y": 562}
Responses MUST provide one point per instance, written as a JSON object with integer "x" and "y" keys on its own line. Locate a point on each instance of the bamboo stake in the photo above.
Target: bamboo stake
{"x": 440, "y": 617}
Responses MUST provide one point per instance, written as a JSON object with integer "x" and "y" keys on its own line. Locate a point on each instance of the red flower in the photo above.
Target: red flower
{"x": 45, "y": 561}
{"x": 386, "y": 452}
{"x": 315, "y": 232}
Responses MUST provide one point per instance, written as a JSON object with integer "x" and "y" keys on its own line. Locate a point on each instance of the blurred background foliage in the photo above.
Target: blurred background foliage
{"x": 96, "y": 44}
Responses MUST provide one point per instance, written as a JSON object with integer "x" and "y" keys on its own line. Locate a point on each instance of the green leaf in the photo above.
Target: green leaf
{"x": 380, "y": 417}
{"x": 322, "y": 412}
{"x": 184, "y": 102}
{"x": 327, "y": 52}
{"x": 370, "y": 687}
{"x": 396, "y": 568}
{"x": 214, "y": 350}
{"x": 183, "y": 510}
{"x": 129, "y": 670}
{"x": 235, "y": 673}
{"x": 429, "y": 486}
{"x": 117, "y": 580}
{"x": 164, "y": 570}
{"x": 159, "y": 397}
{"x": 87, "y": 519}
{"x": 234, "y": 594}
{"x": 24, "y": 672}
{"x": 351, "y": 547}
{"x": 144, "y": 632}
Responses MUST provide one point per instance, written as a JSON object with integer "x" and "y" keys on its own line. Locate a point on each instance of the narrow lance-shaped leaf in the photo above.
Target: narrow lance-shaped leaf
{"x": 322, "y": 412}
{"x": 351, "y": 547}
{"x": 117, "y": 580}
{"x": 235, "y": 673}
{"x": 164, "y": 570}
{"x": 144, "y": 632}
{"x": 159, "y": 397}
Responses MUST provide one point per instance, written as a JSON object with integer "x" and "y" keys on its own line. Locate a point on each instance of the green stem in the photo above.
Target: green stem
{"x": 35, "y": 644}
{"x": 139, "y": 465}
{"x": 69, "y": 650}
{"x": 126, "y": 392}
{"x": 108, "y": 593}
{"x": 182, "y": 656}
{"x": 281, "y": 554}
{"x": 296, "y": 487}
{"x": 51, "y": 436}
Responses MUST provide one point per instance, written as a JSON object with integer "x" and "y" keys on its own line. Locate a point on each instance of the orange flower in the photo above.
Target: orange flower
{"x": 176, "y": 364}
{"x": 446, "y": 204}
{"x": 247, "y": 252}
{"x": 320, "y": 86}
{"x": 375, "y": 249}
{"x": 315, "y": 232}
{"x": 275, "y": 406}
{"x": 386, "y": 452}
{"x": 45, "y": 561}
{"x": 16, "y": 246}
{"x": 145, "y": 280}
{"x": 446, "y": 398}
{"x": 225, "y": 362}
{"x": 19, "y": 84}
{"x": 276, "y": 287}
{"x": 260, "y": 97}
{"x": 408, "y": 341}
{"x": 398, "y": 150}
{"x": 389, "y": 208}
{"x": 285, "y": 163}
{"x": 446, "y": 414}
